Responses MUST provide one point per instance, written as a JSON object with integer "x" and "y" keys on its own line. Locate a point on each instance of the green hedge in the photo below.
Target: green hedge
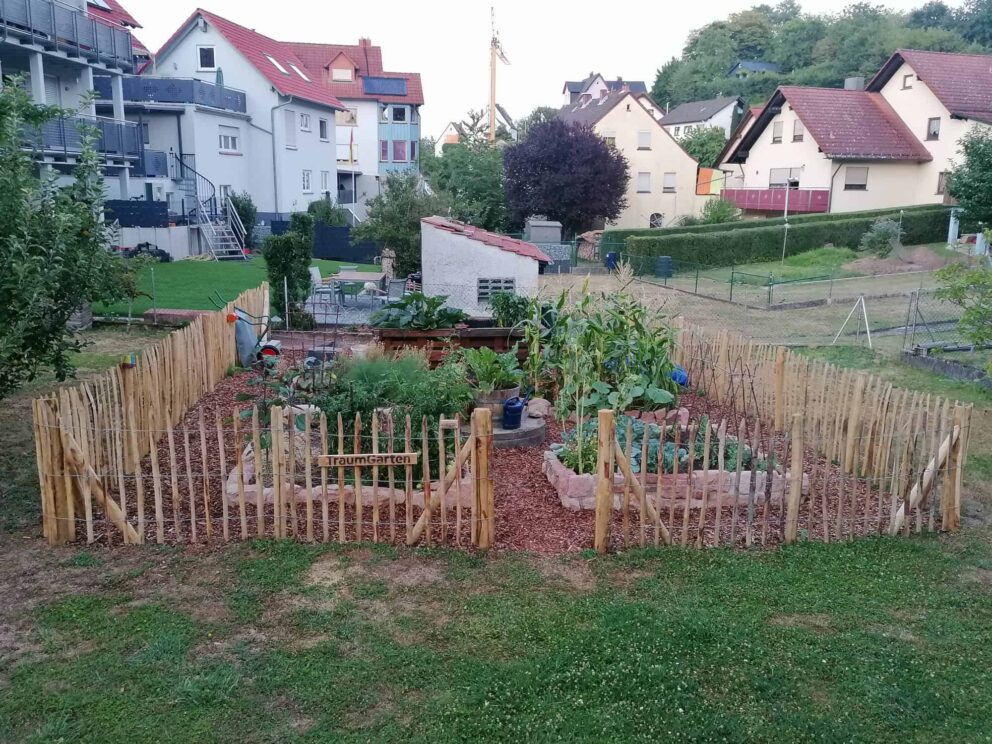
{"x": 765, "y": 243}
{"x": 617, "y": 239}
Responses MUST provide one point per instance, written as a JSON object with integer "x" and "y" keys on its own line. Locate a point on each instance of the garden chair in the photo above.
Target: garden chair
{"x": 319, "y": 290}
{"x": 395, "y": 290}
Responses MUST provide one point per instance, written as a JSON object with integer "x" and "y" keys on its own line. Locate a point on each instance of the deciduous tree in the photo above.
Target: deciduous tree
{"x": 704, "y": 144}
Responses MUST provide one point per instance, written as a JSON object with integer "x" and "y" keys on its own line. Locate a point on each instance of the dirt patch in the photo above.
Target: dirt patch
{"x": 818, "y": 622}
{"x": 575, "y": 573}
{"x": 625, "y": 579}
{"x": 409, "y": 572}
{"x": 899, "y": 633}
{"x": 977, "y": 575}
{"x": 917, "y": 259}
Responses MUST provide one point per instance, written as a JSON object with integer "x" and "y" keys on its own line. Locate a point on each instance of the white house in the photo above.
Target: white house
{"x": 469, "y": 264}
{"x": 723, "y": 113}
{"x": 888, "y": 144}
{"x": 595, "y": 85}
{"x": 225, "y": 109}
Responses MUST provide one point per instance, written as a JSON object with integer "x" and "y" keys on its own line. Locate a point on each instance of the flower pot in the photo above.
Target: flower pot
{"x": 494, "y": 400}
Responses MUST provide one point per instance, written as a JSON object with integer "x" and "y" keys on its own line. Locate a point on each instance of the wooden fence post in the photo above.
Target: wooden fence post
{"x": 796, "y": 485}
{"x": 854, "y": 422}
{"x": 604, "y": 480}
{"x": 483, "y": 432}
{"x": 955, "y": 466}
{"x": 780, "y": 388}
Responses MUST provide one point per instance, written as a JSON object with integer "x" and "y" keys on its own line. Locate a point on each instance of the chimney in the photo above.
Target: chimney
{"x": 604, "y": 93}
{"x": 854, "y": 83}
{"x": 364, "y": 41}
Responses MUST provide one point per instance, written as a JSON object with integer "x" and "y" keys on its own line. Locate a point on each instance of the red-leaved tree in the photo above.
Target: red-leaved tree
{"x": 565, "y": 172}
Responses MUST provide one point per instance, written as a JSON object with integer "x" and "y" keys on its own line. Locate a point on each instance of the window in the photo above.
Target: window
{"x": 384, "y": 151}
{"x": 668, "y": 184}
{"x": 906, "y": 80}
{"x": 399, "y": 113}
{"x": 942, "y": 182}
{"x": 676, "y": 131}
{"x": 610, "y": 138}
{"x": 855, "y": 178}
{"x": 205, "y": 57}
{"x": 644, "y": 140}
{"x": 144, "y": 133}
{"x": 780, "y": 178}
{"x": 933, "y": 128}
{"x": 305, "y": 122}
{"x": 322, "y": 129}
{"x": 486, "y": 288}
{"x": 307, "y": 182}
{"x": 276, "y": 64}
{"x": 342, "y": 74}
{"x": 290, "y": 120}
{"x": 688, "y": 129}
{"x": 346, "y": 118}
{"x": 300, "y": 72}
{"x": 798, "y": 131}
{"x": 644, "y": 183}
{"x": 399, "y": 151}
{"x": 656, "y": 220}
{"x": 325, "y": 180}
{"x": 229, "y": 139}
{"x": 413, "y": 151}
{"x": 776, "y": 132}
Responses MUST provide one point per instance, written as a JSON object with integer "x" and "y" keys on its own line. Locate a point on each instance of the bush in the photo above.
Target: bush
{"x": 615, "y": 240}
{"x": 287, "y": 257}
{"x": 737, "y": 246}
{"x": 330, "y": 214}
{"x": 881, "y": 238}
{"x": 719, "y": 212}
{"x": 248, "y": 214}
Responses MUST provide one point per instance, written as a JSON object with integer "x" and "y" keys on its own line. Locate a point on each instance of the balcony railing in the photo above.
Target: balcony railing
{"x": 147, "y": 89}
{"x": 63, "y": 28}
{"x": 773, "y": 200}
{"x": 154, "y": 164}
{"x": 119, "y": 139}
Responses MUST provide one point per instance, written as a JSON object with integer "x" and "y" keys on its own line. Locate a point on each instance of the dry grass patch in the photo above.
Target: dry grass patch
{"x": 817, "y": 622}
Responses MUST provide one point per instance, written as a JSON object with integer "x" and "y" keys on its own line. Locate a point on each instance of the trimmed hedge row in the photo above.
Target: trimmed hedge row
{"x": 616, "y": 239}
{"x": 765, "y": 243}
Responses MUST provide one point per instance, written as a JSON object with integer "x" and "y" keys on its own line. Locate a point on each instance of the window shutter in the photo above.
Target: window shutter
{"x": 290, "y": 120}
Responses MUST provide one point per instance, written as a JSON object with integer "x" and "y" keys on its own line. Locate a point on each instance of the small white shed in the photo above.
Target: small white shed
{"x": 469, "y": 264}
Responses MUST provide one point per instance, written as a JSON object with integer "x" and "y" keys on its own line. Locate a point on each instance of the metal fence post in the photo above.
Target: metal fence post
{"x": 696, "y": 288}
{"x": 771, "y": 285}
{"x": 731, "y": 282}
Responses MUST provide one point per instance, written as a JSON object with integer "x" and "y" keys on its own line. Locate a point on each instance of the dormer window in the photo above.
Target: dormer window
{"x": 342, "y": 74}
{"x": 276, "y": 64}
{"x": 206, "y": 59}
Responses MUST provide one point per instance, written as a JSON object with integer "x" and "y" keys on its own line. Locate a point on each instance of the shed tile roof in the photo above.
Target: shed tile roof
{"x": 962, "y": 82}
{"x": 698, "y": 110}
{"x": 254, "y": 46}
{"x": 854, "y": 124}
{"x": 504, "y": 243}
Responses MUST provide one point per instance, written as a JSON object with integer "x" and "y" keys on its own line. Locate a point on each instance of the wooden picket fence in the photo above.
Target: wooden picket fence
{"x": 852, "y": 434}
{"x": 91, "y": 437}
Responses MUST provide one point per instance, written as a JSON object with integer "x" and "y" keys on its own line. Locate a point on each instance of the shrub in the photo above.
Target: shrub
{"x": 287, "y": 257}
{"x": 248, "y": 214}
{"x": 736, "y": 246}
{"x": 330, "y": 214}
{"x": 615, "y": 240}
{"x": 881, "y": 238}
{"x": 719, "y": 212}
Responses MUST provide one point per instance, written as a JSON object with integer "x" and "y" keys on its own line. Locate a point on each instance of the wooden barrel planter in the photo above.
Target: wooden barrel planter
{"x": 494, "y": 400}
{"x": 436, "y": 341}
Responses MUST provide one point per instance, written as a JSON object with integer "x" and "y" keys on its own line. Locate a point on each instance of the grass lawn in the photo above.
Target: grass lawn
{"x": 877, "y": 640}
{"x": 820, "y": 263}
{"x": 188, "y": 284}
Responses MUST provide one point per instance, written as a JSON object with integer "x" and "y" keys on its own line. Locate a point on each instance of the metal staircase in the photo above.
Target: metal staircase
{"x": 221, "y": 229}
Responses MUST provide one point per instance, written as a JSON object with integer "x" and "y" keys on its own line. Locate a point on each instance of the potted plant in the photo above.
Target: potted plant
{"x": 417, "y": 321}
{"x": 496, "y": 377}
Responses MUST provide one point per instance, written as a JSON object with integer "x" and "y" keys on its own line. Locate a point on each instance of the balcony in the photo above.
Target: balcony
{"x": 62, "y": 137}
{"x": 145, "y": 89}
{"x": 153, "y": 164}
{"x": 62, "y": 28}
{"x": 773, "y": 200}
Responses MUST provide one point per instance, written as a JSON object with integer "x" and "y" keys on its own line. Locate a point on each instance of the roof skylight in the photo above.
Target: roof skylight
{"x": 278, "y": 66}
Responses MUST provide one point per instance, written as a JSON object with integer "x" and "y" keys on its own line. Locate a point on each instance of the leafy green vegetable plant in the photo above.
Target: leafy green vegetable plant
{"x": 416, "y": 311}
{"x": 492, "y": 371}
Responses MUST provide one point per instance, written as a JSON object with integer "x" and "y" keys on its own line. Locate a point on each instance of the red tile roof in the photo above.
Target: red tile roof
{"x": 368, "y": 58}
{"x": 114, "y": 13}
{"x": 504, "y": 243}
{"x": 962, "y": 82}
{"x": 852, "y": 124}
{"x": 254, "y": 46}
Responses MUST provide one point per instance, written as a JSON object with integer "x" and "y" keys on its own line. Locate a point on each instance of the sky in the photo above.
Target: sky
{"x": 447, "y": 42}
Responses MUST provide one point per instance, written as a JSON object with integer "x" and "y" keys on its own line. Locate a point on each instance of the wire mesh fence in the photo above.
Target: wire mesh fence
{"x": 933, "y": 324}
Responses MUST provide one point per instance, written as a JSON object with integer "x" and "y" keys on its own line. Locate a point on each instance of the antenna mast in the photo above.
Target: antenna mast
{"x": 495, "y": 54}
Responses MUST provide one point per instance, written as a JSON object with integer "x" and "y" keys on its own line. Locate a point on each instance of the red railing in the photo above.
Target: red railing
{"x": 773, "y": 200}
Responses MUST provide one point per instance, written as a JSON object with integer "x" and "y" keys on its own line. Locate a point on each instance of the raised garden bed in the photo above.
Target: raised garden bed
{"x": 439, "y": 341}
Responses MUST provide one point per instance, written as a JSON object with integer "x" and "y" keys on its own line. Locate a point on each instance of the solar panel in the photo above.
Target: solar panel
{"x": 384, "y": 86}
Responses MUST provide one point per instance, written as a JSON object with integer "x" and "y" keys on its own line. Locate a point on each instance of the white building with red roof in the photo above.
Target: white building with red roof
{"x": 889, "y": 143}
{"x": 468, "y": 264}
